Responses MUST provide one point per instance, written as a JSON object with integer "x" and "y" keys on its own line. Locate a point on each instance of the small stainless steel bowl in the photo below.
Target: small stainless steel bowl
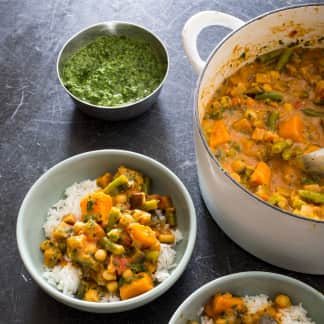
{"x": 89, "y": 34}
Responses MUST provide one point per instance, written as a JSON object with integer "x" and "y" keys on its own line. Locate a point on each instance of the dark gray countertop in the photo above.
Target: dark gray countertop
{"x": 39, "y": 126}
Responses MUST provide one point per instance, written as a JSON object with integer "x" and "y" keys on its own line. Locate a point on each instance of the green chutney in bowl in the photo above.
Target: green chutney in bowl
{"x": 113, "y": 70}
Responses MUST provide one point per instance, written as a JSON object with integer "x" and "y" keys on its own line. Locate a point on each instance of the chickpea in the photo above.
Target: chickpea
{"x": 167, "y": 238}
{"x": 100, "y": 255}
{"x": 112, "y": 286}
{"x": 107, "y": 275}
{"x": 238, "y": 165}
{"x": 126, "y": 219}
{"x": 114, "y": 234}
{"x": 127, "y": 273}
{"x": 282, "y": 301}
{"x": 78, "y": 227}
{"x": 142, "y": 217}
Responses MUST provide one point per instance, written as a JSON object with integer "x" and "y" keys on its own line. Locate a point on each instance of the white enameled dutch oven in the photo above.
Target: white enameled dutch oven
{"x": 270, "y": 233}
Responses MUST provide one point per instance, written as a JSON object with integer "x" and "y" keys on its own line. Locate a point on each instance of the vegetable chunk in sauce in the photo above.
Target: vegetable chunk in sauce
{"x": 265, "y": 115}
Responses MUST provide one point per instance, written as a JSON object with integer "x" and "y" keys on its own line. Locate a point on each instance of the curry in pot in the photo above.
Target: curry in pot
{"x": 262, "y": 118}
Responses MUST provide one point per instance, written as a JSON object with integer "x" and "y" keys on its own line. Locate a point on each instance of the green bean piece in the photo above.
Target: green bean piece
{"x": 137, "y": 257}
{"x": 114, "y": 234}
{"x": 316, "y": 197}
{"x": 152, "y": 255}
{"x": 113, "y": 217}
{"x": 297, "y": 202}
{"x": 117, "y": 185}
{"x": 272, "y": 95}
{"x": 272, "y": 120}
{"x": 114, "y": 248}
{"x": 151, "y": 204}
{"x": 279, "y": 147}
{"x": 170, "y": 214}
{"x": 284, "y": 58}
{"x": 87, "y": 263}
{"x": 146, "y": 187}
{"x": 270, "y": 56}
{"x": 287, "y": 154}
{"x": 278, "y": 200}
{"x": 313, "y": 113}
{"x": 83, "y": 287}
{"x": 138, "y": 267}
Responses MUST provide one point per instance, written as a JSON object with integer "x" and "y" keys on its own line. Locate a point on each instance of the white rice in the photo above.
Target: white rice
{"x": 166, "y": 261}
{"x": 290, "y": 315}
{"x": 70, "y": 204}
{"x": 109, "y": 298}
{"x": 178, "y": 235}
{"x": 255, "y": 303}
{"x": 67, "y": 278}
{"x": 295, "y": 315}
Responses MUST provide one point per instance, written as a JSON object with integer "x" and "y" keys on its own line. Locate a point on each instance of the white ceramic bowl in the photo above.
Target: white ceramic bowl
{"x": 252, "y": 283}
{"x": 49, "y": 188}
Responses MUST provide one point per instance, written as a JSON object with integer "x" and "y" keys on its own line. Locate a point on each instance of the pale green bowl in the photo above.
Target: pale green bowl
{"x": 49, "y": 188}
{"x": 253, "y": 283}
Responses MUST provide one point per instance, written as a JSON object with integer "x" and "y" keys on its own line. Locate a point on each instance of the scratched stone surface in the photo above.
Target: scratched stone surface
{"x": 39, "y": 126}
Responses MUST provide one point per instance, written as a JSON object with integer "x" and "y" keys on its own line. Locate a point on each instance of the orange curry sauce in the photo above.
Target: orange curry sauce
{"x": 264, "y": 116}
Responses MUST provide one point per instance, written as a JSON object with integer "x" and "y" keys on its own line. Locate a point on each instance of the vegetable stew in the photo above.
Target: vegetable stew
{"x": 116, "y": 243}
{"x": 262, "y": 118}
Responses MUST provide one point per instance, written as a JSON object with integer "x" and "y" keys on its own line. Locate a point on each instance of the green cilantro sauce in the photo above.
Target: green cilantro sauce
{"x": 113, "y": 71}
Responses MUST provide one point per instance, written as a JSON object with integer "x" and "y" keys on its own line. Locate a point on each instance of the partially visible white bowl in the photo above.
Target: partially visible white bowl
{"x": 252, "y": 283}
{"x": 50, "y": 187}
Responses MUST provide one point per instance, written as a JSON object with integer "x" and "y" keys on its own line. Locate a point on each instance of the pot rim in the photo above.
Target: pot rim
{"x": 196, "y": 113}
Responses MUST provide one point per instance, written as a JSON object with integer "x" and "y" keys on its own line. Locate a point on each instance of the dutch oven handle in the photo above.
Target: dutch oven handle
{"x": 196, "y": 24}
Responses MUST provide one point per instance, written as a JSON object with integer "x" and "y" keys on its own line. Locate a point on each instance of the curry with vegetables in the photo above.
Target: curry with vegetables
{"x": 262, "y": 118}
{"x": 116, "y": 243}
{"x": 224, "y": 308}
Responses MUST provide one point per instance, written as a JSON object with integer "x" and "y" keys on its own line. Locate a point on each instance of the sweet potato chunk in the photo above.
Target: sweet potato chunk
{"x": 292, "y": 128}
{"x": 137, "y": 286}
{"x": 261, "y": 175}
{"x": 243, "y": 125}
{"x": 97, "y": 205}
{"x": 219, "y": 135}
{"x": 142, "y": 235}
{"x": 225, "y": 303}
